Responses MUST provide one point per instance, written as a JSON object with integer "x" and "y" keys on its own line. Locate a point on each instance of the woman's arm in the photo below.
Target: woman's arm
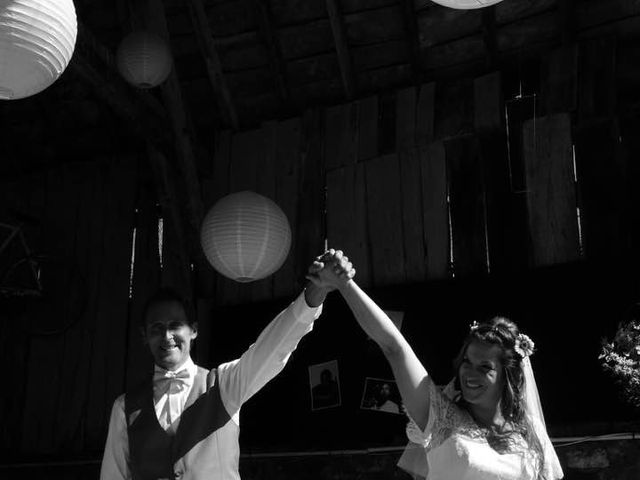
{"x": 410, "y": 374}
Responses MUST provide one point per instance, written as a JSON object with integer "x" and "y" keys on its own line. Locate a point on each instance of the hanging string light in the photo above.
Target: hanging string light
{"x": 144, "y": 59}
{"x": 466, "y": 4}
{"x": 37, "y": 40}
{"x": 245, "y": 236}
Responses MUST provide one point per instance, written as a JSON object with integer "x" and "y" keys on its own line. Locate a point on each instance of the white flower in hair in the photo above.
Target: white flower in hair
{"x": 524, "y": 345}
{"x": 474, "y": 326}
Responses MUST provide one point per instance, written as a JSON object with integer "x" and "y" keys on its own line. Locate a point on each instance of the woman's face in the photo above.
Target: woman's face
{"x": 481, "y": 374}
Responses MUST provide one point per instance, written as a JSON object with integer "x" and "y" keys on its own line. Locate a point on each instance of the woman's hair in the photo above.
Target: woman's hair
{"x": 502, "y": 332}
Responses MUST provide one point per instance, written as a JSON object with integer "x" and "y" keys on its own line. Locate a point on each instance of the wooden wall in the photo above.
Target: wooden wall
{"x": 73, "y": 350}
{"x": 447, "y": 179}
{"x": 416, "y": 184}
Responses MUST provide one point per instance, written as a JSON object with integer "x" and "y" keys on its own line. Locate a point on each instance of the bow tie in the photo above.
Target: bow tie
{"x": 164, "y": 379}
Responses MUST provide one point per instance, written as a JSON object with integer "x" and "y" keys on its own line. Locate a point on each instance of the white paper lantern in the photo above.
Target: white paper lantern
{"x": 144, "y": 59}
{"x": 37, "y": 39}
{"x": 466, "y": 4}
{"x": 245, "y": 236}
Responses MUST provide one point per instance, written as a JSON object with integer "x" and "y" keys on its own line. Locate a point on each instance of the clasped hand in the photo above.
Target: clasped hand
{"x": 331, "y": 270}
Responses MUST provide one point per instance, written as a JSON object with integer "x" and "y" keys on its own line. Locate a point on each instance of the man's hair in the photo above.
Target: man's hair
{"x": 165, "y": 294}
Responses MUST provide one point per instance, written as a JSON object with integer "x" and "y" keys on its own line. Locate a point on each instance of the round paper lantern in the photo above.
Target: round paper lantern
{"x": 466, "y": 4}
{"x": 37, "y": 39}
{"x": 144, "y": 59}
{"x": 245, "y": 236}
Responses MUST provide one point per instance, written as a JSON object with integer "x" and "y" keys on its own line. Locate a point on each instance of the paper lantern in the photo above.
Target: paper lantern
{"x": 37, "y": 39}
{"x": 245, "y": 236}
{"x": 466, "y": 4}
{"x": 144, "y": 59}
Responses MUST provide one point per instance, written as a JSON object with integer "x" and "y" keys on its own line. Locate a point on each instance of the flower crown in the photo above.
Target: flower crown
{"x": 524, "y": 345}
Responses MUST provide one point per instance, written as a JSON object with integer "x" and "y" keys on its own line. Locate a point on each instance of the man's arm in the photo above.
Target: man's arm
{"x": 115, "y": 461}
{"x": 242, "y": 378}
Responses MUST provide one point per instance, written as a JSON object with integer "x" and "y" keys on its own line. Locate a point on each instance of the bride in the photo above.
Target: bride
{"x": 487, "y": 424}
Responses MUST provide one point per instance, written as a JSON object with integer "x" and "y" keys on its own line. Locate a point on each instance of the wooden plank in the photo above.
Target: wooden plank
{"x": 386, "y": 122}
{"x": 385, "y": 220}
{"x": 551, "y": 196}
{"x": 488, "y": 103}
{"x": 629, "y": 128}
{"x": 341, "y": 135}
{"x": 221, "y": 166}
{"x": 468, "y": 208}
{"x": 77, "y": 340}
{"x": 311, "y": 194}
{"x": 347, "y": 226}
{"x": 203, "y": 32}
{"x": 559, "y": 80}
{"x": 116, "y": 311}
{"x": 405, "y": 119}
{"x": 187, "y": 244}
{"x": 424, "y": 114}
{"x": 597, "y": 78}
{"x": 489, "y": 35}
{"x": 261, "y": 290}
{"x": 288, "y": 137}
{"x": 15, "y": 354}
{"x": 342, "y": 48}
{"x": 415, "y": 263}
{"x": 146, "y": 280}
{"x": 507, "y": 229}
{"x": 219, "y": 187}
{"x": 91, "y": 259}
{"x": 247, "y": 153}
{"x": 453, "y": 109}
{"x": 110, "y": 330}
{"x": 435, "y": 210}
{"x": 206, "y": 333}
{"x": 27, "y": 196}
{"x": 48, "y": 314}
{"x": 410, "y": 21}
{"x": 269, "y": 36}
{"x": 368, "y": 128}
{"x": 601, "y": 165}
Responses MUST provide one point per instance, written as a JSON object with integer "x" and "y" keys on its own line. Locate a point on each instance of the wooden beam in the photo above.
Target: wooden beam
{"x": 342, "y": 48}
{"x": 203, "y": 32}
{"x": 489, "y": 35}
{"x": 411, "y": 28}
{"x": 149, "y": 14}
{"x": 95, "y": 64}
{"x": 155, "y": 19}
{"x": 568, "y": 24}
{"x": 269, "y": 34}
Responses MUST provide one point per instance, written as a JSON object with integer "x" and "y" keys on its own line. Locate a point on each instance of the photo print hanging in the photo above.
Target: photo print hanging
{"x": 381, "y": 395}
{"x": 324, "y": 385}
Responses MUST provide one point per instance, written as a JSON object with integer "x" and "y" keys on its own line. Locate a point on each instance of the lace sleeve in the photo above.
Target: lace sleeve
{"x": 441, "y": 409}
{"x": 441, "y": 412}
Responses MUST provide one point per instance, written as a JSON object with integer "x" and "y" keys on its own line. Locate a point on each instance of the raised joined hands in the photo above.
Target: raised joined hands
{"x": 332, "y": 270}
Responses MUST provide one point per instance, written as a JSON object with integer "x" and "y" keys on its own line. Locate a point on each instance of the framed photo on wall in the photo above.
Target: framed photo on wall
{"x": 324, "y": 384}
{"x": 381, "y": 395}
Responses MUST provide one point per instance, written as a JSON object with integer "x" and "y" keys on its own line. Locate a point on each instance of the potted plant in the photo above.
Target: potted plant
{"x": 621, "y": 356}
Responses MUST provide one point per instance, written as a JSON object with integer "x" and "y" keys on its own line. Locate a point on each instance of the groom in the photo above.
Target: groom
{"x": 184, "y": 423}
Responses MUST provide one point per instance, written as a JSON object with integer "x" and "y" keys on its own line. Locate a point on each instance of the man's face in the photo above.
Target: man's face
{"x": 168, "y": 334}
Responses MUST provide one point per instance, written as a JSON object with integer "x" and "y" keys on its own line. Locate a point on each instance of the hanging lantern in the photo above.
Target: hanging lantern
{"x": 245, "y": 236}
{"x": 37, "y": 39}
{"x": 466, "y": 4}
{"x": 144, "y": 59}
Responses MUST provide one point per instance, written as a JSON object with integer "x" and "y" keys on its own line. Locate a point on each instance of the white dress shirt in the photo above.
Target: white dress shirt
{"x": 238, "y": 381}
